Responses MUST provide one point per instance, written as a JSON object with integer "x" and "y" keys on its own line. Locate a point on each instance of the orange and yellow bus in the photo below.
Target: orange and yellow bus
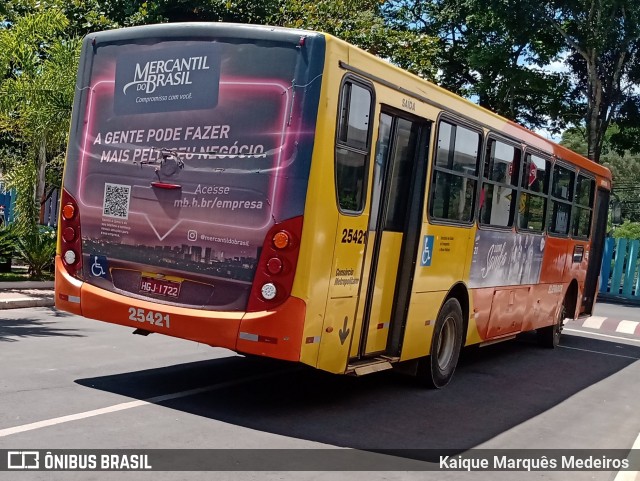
{"x": 282, "y": 193}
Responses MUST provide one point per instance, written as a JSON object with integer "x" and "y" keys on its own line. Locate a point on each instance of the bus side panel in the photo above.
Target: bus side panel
{"x": 437, "y": 271}
{"x": 577, "y": 261}
{"x": 320, "y": 215}
{"x": 552, "y": 277}
{"x": 482, "y": 299}
{"x": 543, "y": 301}
{"x": 338, "y": 327}
{"x": 421, "y": 320}
{"x": 508, "y": 311}
{"x": 447, "y": 263}
{"x": 554, "y": 261}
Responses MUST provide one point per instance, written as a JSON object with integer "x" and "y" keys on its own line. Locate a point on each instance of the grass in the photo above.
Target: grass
{"x": 13, "y": 276}
{"x": 19, "y": 274}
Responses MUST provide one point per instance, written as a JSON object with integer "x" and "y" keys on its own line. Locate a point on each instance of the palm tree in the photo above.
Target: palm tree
{"x": 36, "y": 95}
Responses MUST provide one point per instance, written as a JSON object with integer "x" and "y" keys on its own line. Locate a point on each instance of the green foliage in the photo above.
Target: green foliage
{"x": 362, "y": 23}
{"x": 498, "y": 52}
{"x": 626, "y": 182}
{"x": 628, "y": 230}
{"x": 7, "y": 243}
{"x": 83, "y": 16}
{"x": 37, "y": 250}
{"x": 22, "y": 177}
{"x": 35, "y": 103}
{"x": 239, "y": 11}
{"x": 625, "y": 170}
{"x": 603, "y": 39}
{"x": 487, "y": 51}
{"x": 14, "y": 276}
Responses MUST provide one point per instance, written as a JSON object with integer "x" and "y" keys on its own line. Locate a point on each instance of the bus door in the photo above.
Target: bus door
{"x": 393, "y": 234}
{"x": 597, "y": 248}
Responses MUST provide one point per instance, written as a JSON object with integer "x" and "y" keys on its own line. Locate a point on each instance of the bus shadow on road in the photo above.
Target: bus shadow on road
{"x": 13, "y": 330}
{"x": 494, "y": 389}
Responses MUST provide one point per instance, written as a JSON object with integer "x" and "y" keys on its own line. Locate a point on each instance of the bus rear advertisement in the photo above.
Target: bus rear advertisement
{"x": 279, "y": 192}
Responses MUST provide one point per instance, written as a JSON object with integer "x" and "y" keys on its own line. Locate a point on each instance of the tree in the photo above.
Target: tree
{"x": 625, "y": 169}
{"x": 244, "y": 11}
{"x": 36, "y": 95}
{"x": 486, "y": 52}
{"x": 626, "y": 179}
{"x": 83, "y": 16}
{"x": 498, "y": 52}
{"x": 362, "y": 23}
{"x": 604, "y": 40}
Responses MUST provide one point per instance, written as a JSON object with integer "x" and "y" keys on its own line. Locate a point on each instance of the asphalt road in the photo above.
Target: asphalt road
{"x": 68, "y": 382}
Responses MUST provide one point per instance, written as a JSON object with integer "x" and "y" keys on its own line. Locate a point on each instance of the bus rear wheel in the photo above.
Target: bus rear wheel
{"x": 436, "y": 370}
{"x": 549, "y": 336}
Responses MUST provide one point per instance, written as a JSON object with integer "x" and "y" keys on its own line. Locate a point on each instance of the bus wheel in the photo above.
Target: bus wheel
{"x": 436, "y": 370}
{"x": 549, "y": 336}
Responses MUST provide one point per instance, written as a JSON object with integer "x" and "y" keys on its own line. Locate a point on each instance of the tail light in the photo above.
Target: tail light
{"x": 277, "y": 266}
{"x": 70, "y": 238}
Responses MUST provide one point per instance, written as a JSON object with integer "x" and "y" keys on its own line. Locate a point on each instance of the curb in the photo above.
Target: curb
{"x": 27, "y": 285}
{"x": 23, "y": 302}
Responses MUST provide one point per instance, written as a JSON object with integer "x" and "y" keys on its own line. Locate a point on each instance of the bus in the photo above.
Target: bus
{"x": 282, "y": 193}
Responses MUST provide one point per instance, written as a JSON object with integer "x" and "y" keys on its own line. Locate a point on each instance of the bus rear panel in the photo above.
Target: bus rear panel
{"x": 185, "y": 182}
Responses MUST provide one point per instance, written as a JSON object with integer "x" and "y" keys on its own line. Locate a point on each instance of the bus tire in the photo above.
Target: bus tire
{"x": 436, "y": 370}
{"x": 549, "y": 336}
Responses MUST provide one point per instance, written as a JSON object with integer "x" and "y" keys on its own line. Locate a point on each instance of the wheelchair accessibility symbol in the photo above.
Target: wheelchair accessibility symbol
{"x": 99, "y": 266}
{"x": 427, "y": 251}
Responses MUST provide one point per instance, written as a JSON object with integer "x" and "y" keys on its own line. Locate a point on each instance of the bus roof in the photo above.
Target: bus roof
{"x": 200, "y": 29}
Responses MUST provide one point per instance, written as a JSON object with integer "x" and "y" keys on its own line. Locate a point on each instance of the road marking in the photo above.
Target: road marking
{"x": 627, "y": 327}
{"x": 594, "y": 322}
{"x": 134, "y": 404}
{"x": 600, "y": 352}
{"x": 629, "y": 475}
{"x": 601, "y": 335}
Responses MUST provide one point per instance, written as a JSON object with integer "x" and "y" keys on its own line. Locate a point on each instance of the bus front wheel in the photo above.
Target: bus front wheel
{"x": 549, "y": 336}
{"x": 436, "y": 370}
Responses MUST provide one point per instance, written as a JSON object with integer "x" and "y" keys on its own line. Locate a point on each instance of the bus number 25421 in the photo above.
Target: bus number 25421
{"x": 154, "y": 318}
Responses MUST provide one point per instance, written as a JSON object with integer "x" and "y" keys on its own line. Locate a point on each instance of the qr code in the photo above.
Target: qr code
{"x": 116, "y": 200}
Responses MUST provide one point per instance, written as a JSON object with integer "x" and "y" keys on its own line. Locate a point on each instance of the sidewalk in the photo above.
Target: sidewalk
{"x": 14, "y": 295}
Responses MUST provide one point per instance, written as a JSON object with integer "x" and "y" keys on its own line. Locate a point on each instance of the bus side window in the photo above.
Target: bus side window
{"x": 500, "y": 181}
{"x": 561, "y": 199}
{"x": 583, "y": 207}
{"x": 455, "y": 173}
{"x": 534, "y": 185}
{"x": 352, "y": 146}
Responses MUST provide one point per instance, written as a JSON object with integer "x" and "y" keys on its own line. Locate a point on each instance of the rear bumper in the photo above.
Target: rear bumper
{"x": 276, "y": 333}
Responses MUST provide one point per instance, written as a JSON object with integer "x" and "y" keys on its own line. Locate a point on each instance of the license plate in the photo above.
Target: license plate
{"x": 160, "y": 287}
